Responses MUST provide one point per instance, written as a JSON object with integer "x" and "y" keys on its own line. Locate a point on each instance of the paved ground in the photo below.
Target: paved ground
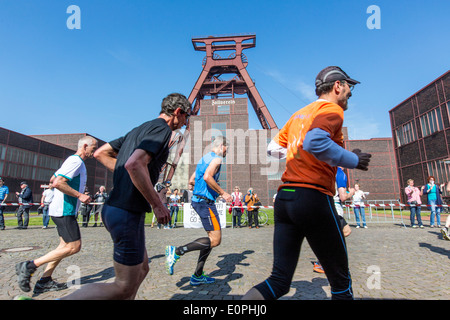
{"x": 386, "y": 261}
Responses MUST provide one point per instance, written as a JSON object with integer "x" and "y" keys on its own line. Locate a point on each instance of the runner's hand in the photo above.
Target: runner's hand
{"x": 162, "y": 214}
{"x": 227, "y": 197}
{"x": 364, "y": 159}
{"x": 84, "y": 198}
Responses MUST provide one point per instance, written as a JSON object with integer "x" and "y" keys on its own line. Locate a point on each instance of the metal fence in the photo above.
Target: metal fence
{"x": 389, "y": 211}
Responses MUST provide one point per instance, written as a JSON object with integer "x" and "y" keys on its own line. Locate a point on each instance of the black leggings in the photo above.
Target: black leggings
{"x": 300, "y": 213}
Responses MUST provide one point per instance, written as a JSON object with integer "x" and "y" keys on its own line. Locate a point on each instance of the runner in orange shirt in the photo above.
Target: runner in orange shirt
{"x": 312, "y": 143}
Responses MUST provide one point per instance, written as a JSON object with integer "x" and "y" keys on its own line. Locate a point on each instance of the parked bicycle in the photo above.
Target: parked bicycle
{"x": 263, "y": 218}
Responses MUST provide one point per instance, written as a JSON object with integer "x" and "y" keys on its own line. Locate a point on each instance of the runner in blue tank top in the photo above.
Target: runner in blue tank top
{"x": 206, "y": 190}
{"x": 201, "y": 188}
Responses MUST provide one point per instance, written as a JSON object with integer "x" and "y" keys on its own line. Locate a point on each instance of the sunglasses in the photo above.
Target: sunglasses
{"x": 351, "y": 86}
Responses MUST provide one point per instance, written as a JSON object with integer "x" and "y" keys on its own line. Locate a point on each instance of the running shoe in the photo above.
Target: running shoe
{"x": 49, "y": 286}
{"x": 171, "y": 259}
{"x": 24, "y": 275}
{"x": 318, "y": 268}
{"x": 444, "y": 232}
{"x": 203, "y": 279}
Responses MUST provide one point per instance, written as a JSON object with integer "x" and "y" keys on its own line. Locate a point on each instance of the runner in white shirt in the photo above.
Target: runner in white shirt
{"x": 69, "y": 183}
{"x": 74, "y": 170}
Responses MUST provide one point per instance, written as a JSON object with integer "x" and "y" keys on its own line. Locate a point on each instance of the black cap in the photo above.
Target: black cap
{"x": 331, "y": 74}
{"x": 23, "y": 182}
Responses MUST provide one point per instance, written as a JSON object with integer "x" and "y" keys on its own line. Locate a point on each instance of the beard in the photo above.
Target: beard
{"x": 343, "y": 102}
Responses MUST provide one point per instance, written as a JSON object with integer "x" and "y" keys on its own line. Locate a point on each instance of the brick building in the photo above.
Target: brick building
{"x": 381, "y": 179}
{"x": 421, "y": 130}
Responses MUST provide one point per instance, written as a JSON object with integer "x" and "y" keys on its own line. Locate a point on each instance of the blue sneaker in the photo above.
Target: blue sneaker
{"x": 203, "y": 279}
{"x": 171, "y": 259}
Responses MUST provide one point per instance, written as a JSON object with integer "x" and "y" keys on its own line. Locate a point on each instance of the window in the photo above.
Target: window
{"x": 19, "y": 171}
{"x": 431, "y": 122}
{"x": 406, "y": 133}
{"x": 225, "y": 109}
{"x": 21, "y": 156}
{"x": 219, "y": 128}
{"x": 49, "y": 162}
{"x": 2, "y": 152}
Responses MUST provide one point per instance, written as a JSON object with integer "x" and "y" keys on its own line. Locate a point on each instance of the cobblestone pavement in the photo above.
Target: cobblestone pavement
{"x": 386, "y": 262}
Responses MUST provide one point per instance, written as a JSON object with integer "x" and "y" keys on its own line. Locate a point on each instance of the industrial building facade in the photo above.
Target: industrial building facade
{"x": 381, "y": 180}
{"x": 421, "y": 130}
{"x": 27, "y": 158}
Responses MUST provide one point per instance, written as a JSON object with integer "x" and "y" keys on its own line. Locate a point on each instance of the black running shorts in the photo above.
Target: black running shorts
{"x": 127, "y": 232}
{"x": 67, "y": 227}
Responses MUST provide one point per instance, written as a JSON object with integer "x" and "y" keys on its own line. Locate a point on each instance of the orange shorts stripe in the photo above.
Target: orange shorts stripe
{"x": 214, "y": 221}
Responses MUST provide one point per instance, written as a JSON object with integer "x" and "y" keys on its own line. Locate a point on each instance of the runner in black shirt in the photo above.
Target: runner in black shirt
{"x": 136, "y": 160}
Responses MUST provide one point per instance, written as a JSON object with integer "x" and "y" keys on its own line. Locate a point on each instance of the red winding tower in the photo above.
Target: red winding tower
{"x": 224, "y": 59}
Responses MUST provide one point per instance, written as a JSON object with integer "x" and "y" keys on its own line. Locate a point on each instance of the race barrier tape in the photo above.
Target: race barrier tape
{"x": 261, "y": 207}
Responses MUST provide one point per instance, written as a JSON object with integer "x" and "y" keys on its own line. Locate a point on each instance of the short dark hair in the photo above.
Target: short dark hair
{"x": 324, "y": 88}
{"x": 174, "y": 101}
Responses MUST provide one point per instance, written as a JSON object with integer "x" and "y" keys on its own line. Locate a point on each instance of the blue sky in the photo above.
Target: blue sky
{"x": 111, "y": 75}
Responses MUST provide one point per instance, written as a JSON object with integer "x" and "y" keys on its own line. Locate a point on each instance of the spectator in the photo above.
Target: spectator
{"x": 46, "y": 199}
{"x": 358, "y": 202}
{"x": 4, "y": 191}
{"x": 446, "y": 227}
{"x": 187, "y": 194}
{"x": 26, "y": 197}
{"x": 169, "y": 191}
{"x": 237, "y": 212}
{"x": 414, "y": 202}
{"x": 251, "y": 199}
{"x": 86, "y": 208}
{"x": 174, "y": 207}
{"x": 99, "y": 197}
{"x": 433, "y": 193}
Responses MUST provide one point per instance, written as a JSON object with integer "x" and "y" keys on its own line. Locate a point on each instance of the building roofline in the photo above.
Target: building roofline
{"x": 438, "y": 78}
{"x": 371, "y": 139}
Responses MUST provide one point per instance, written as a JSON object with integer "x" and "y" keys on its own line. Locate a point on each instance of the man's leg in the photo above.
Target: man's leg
{"x": 287, "y": 241}
{"x": 26, "y": 216}
{"x": 125, "y": 286}
{"x": 54, "y": 257}
{"x": 129, "y": 248}
{"x": 210, "y": 222}
{"x": 2, "y": 220}
{"x": 26, "y": 269}
{"x": 329, "y": 246}
{"x": 19, "y": 217}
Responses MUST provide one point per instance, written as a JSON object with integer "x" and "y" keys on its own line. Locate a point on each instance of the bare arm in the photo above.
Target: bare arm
{"x": 192, "y": 179}
{"x": 209, "y": 179}
{"x": 138, "y": 171}
{"x": 60, "y": 183}
{"x": 106, "y": 156}
{"x": 344, "y": 196}
{"x": 4, "y": 200}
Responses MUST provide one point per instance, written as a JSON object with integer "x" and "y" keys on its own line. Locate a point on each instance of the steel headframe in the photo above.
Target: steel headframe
{"x": 209, "y": 83}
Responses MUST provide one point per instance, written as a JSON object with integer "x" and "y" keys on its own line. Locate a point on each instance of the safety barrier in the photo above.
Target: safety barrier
{"x": 376, "y": 211}
{"x": 388, "y": 211}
